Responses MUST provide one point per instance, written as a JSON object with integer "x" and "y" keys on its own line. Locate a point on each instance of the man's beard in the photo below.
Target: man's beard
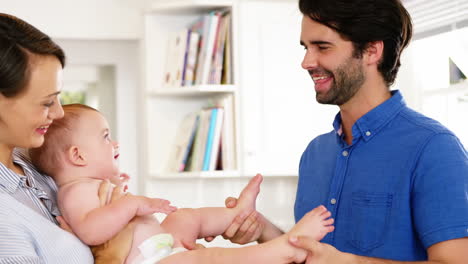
{"x": 347, "y": 79}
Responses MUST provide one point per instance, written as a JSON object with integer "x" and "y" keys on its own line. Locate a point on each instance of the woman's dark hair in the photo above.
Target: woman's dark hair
{"x": 17, "y": 39}
{"x": 365, "y": 21}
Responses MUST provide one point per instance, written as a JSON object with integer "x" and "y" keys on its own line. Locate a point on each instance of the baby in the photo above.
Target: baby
{"x": 79, "y": 154}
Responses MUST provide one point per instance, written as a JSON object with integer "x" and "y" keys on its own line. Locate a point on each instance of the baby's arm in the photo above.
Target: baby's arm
{"x": 93, "y": 224}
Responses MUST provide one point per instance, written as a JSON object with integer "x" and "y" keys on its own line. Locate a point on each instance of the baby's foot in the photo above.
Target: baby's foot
{"x": 248, "y": 196}
{"x": 315, "y": 224}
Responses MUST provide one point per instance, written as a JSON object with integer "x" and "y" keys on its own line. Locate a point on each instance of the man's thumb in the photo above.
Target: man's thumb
{"x": 230, "y": 202}
{"x": 303, "y": 242}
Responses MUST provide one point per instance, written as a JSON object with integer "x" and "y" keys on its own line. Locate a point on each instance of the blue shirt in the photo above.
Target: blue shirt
{"x": 400, "y": 187}
{"x": 28, "y": 230}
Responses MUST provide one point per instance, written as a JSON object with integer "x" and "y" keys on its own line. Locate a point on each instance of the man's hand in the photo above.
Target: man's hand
{"x": 245, "y": 228}
{"x": 319, "y": 253}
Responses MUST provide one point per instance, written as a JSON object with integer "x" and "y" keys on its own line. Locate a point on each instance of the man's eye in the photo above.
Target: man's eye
{"x": 323, "y": 48}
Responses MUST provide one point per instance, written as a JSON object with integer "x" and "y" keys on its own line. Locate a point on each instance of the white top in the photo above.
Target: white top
{"x": 28, "y": 230}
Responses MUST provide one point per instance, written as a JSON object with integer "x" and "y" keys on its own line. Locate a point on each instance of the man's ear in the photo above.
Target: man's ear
{"x": 374, "y": 52}
{"x": 76, "y": 157}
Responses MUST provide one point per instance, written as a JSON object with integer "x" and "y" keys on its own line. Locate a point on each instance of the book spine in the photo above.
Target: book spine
{"x": 209, "y": 141}
{"x": 188, "y": 150}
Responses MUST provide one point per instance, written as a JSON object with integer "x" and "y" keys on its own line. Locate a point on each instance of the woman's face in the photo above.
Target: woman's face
{"x": 24, "y": 118}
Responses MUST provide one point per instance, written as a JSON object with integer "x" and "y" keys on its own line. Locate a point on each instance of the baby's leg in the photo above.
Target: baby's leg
{"x": 146, "y": 227}
{"x": 276, "y": 251}
{"x": 316, "y": 224}
{"x": 189, "y": 224}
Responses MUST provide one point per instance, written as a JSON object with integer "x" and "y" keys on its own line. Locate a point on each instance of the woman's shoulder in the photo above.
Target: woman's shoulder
{"x": 21, "y": 156}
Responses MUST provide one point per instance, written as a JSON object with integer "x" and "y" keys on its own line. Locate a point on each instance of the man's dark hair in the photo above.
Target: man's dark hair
{"x": 17, "y": 40}
{"x": 365, "y": 21}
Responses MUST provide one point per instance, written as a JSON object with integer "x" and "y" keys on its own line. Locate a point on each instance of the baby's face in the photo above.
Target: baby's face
{"x": 99, "y": 150}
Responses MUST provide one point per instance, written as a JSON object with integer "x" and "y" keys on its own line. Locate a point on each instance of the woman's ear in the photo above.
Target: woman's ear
{"x": 76, "y": 157}
{"x": 374, "y": 52}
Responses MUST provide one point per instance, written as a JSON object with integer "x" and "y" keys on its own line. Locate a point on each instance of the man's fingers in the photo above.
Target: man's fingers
{"x": 230, "y": 202}
{"x": 245, "y": 227}
{"x": 306, "y": 243}
{"x": 241, "y": 234}
{"x": 103, "y": 192}
{"x": 232, "y": 229}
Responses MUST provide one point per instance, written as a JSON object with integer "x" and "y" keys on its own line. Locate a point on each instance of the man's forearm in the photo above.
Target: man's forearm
{"x": 354, "y": 259}
{"x": 270, "y": 231}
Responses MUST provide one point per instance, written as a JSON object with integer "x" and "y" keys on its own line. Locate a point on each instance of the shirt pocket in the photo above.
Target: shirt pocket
{"x": 369, "y": 219}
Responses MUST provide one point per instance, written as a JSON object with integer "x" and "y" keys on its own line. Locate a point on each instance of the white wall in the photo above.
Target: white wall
{"x": 80, "y": 19}
{"x": 124, "y": 57}
{"x": 279, "y": 113}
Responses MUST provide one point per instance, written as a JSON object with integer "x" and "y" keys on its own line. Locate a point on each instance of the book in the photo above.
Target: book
{"x": 189, "y": 147}
{"x": 175, "y": 59}
{"x": 215, "y": 146}
{"x": 228, "y": 132}
{"x": 209, "y": 139}
{"x": 201, "y": 26}
{"x": 218, "y": 52}
{"x": 206, "y": 48}
{"x": 195, "y": 162}
{"x": 182, "y": 143}
{"x": 227, "y": 75}
{"x": 191, "y": 59}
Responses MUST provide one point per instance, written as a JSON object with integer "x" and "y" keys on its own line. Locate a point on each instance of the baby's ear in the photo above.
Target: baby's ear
{"x": 75, "y": 156}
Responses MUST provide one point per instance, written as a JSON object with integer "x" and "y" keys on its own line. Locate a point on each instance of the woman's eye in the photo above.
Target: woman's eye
{"x": 49, "y": 104}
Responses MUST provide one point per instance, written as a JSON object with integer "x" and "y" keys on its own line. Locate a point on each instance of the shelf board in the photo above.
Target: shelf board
{"x": 189, "y": 6}
{"x": 194, "y": 90}
{"x": 196, "y": 175}
{"x": 215, "y": 175}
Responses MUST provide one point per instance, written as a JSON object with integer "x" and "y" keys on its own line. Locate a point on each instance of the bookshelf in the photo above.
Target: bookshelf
{"x": 164, "y": 107}
{"x": 271, "y": 93}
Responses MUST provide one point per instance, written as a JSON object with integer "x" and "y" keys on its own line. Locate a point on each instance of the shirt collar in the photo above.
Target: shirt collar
{"x": 10, "y": 180}
{"x": 372, "y": 122}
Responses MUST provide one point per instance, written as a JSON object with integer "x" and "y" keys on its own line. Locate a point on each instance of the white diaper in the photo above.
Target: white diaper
{"x": 156, "y": 248}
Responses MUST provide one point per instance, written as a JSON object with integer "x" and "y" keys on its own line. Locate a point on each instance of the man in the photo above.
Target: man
{"x": 395, "y": 181}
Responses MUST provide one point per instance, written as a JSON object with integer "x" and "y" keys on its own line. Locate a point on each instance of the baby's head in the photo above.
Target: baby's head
{"x": 78, "y": 143}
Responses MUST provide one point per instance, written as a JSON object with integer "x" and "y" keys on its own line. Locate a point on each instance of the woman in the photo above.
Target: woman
{"x": 30, "y": 82}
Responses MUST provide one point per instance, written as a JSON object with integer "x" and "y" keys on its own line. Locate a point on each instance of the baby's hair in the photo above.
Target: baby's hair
{"x": 48, "y": 158}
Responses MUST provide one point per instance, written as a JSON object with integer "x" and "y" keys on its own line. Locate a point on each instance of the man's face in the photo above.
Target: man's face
{"x": 336, "y": 71}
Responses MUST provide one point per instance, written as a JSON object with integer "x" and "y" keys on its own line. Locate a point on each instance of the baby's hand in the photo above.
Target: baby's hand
{"x": 154, "y": 205}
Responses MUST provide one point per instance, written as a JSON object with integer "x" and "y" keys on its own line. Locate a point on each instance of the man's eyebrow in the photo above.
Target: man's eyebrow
{"x": 320, "y": 42}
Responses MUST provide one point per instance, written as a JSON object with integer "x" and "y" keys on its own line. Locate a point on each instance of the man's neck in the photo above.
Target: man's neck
{"x": 369, "y": 96}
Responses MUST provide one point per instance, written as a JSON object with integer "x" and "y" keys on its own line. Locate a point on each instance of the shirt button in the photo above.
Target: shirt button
{"x": 368, "y": 133}
{"x": 345, "y": 153}
{"x": 333, "y": 201}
